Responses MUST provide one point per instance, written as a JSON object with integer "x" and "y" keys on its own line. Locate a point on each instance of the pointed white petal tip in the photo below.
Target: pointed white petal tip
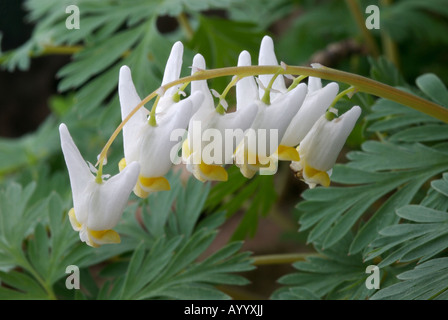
{"x": 267, "y": 53}
{"x": 176, "y": 53}
{"x": 177, "y": 49}
{"x": 244, "y": 59}
{"x": 355, "y": 111}
{"x": 125, "y": 69}
{"x": 125, "y": 76}
{"x": 302, "y": 88}
{"x": 267, "y": 42}
{"x": 63, "y": 129}
{"x": 198, "y": 63}
{"x": 332, "y": 87}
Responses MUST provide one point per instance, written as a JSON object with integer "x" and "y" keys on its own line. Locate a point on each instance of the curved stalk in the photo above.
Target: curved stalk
{"x": 360, "y": 83}
{"x": 285, "y": 258}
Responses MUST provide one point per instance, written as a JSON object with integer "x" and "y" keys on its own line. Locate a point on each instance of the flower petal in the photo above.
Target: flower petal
{"x": 157, "y": 143}
{"x": 129, "y": 99}
{"x": 173, "y": 67}
{"x": 278, "y": 115}
{"x": 246, "y": 88}
{"x": 323, "y": 143}
{"x": 172, "y": 72}
{"x": 78, "y": 170}
{"x": 108, "y": 203}
{"x": 267, "y": 58}
{"x": 313, "y": 107}
{"x": 98, "y": 238}
{"x": 314, "y": 84}
{"x": 201, "y": 85}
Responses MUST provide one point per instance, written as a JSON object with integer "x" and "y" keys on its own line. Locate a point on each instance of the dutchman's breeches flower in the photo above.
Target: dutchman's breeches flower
{"x": 320, "y": 148}
{"x": 260, "y": 148}
{"x": 98, "y": 204}
{"x": 212, "y": 136}
{"x": 151, "y": 146}
{"x": 316, "y": 103}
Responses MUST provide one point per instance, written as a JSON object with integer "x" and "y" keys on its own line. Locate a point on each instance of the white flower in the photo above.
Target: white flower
{"x": 320, "y": 148}
{"x": 211, "y": 135}
{"x": 97, "y": 207}
{"x": 316, "y": 103}
{"x": 150, "y": 145}
{"x": 260, "y": 147}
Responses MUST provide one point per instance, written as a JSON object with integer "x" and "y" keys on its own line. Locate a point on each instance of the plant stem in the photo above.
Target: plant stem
{"x": 220, "y": 108}
{"x": 357, "y": 14}
{"x": 347, "y": 91}
{"x": 61, "y": 49}
{"x": 106, "y": 147}
{"x": 185, "y": 24}
{"x": 46, "y": 286}
{"x": 285, "y": 258}
{"x": 152, "y": 117}
{"x": 389, "y": 46}
{"x": 360, "y": 83}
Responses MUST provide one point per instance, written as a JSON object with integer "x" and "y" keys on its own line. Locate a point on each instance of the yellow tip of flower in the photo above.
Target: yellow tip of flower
{"x": 147, "y": 185}
{"x": 210, "y": 172}
{"x": 185, "y": 150}
{"x": 122, "y": 164}
{"x": 139, "y": 192}
{"x": 73, "y": 221}
{"x": 316, "y": 176}
{"x": 97, "y": 238}
{"x": 288, "y": 153}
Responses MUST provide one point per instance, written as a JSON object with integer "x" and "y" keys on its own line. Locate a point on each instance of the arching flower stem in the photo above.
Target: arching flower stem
{"x": 267, "y": 91}
{"x": 360, "y": 83}
{"x": 349, "y": 92}
{"x": 220, "y": 108}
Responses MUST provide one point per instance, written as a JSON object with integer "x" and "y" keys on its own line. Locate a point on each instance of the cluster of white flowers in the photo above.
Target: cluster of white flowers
{"x": 271, "y": 123}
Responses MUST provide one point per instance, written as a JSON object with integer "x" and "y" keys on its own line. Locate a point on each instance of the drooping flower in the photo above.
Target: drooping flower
{"x": 212, "y": 136}
{"x": 321, "y": 146}
{"x": 260, "y": 150}
{"x": 316, "y": 103}
{"x": 151, "y": 146}
{"x": 97, "y": 206}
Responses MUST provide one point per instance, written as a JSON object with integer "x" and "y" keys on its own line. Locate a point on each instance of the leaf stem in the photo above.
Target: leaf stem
{"x": 220, "y": 108}
{"x": 182, "y": 19}
{"x": 357, "y": 14}
{"x": 284, "y": 258}
{"x": 106, "y": 147}
{"x": 389, "y": 46}
{"x": 61, "y": 50}
{"x": 152, "y": 117}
